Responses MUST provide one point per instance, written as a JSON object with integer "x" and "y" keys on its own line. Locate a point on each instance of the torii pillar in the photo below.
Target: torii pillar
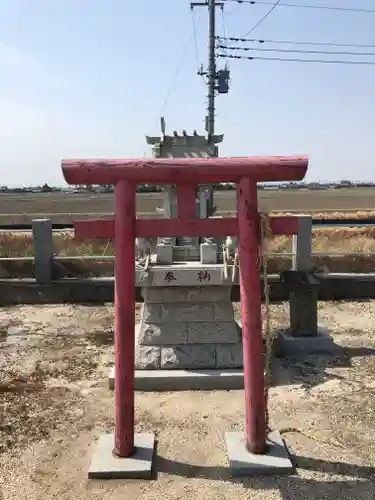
{"x": 126, "y": 454}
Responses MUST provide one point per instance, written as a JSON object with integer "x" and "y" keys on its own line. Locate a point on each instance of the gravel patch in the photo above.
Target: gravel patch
{"x": 54, "y": 403}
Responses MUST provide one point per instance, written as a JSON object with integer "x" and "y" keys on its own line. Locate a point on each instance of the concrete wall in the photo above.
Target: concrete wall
{"x": 100, "y": 290}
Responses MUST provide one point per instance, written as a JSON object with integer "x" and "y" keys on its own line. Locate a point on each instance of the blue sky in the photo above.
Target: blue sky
{"x": 88, "y": 78}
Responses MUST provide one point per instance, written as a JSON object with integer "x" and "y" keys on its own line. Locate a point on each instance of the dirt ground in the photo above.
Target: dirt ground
{"x": 22, "y": 208}
{"x": 54, "y": 403}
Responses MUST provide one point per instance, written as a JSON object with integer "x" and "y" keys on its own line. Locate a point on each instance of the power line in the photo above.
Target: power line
{"x": 317, "y": 61}
{"x": 173, "y": 81}
{"x": 195, "y": 38}
{"x": 223, "y": 24}
{"x": 297, "y": 51}
{"x": 174, "y": 78}
{"x": 294, "y": 42}
{"x": 274, "y": 5}
{"x": 304, "y": 6}
{"x": 235, "y": 9}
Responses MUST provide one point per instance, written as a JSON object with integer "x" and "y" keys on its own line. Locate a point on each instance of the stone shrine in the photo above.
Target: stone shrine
{"x": 184, "y": 146}
{"x": 187, "y": 319}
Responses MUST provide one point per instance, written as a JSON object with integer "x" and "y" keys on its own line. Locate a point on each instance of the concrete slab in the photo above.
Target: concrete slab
{"x": 289, "y": 345}
{"x": 243, "y": 463}
{"x": 184, "y": 380}
{"x": 105, "y": 465}
{"x": 196, "y": 380}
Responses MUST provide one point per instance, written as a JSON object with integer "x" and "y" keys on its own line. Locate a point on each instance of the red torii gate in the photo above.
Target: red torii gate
{"x": 186, "y": 173}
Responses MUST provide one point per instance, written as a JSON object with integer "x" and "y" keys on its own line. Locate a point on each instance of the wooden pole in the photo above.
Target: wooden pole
{"x": 125, "y": 216}
{"x": 249, "y": 234}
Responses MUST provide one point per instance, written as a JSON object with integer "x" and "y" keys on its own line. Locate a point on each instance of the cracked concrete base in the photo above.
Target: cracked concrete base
{"x": 243, "y": 463}
{"x": 291, "y": 345}
{"x": 105, "y": 465}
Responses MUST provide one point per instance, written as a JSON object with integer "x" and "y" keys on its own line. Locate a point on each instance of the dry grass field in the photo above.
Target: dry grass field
{"x": 354, "y": 203}
{"x": 21, "y": 208}
{"x": 357, "y": 243}
{"x": 55, "y": 402}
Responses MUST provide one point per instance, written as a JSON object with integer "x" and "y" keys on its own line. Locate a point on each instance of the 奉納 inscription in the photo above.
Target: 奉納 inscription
{"x": 204, "y": 276}
{"x": 169, "y": 277}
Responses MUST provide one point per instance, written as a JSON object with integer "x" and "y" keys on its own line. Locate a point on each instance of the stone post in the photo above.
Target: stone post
{"x": 43, "y": 250}
{"x": 304, "y": 337}
{"x": 164, "y": 249}
{"x": 208, "y": 247}
{"x": 303, "y": 302}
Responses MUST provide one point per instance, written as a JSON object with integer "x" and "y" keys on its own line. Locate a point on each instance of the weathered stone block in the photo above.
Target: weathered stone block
{"x": 208, "y": 253}
{"x": 163, "y": 334}
{"x": 290, "y": 345}
{"x": 186, "y": 294}
{"x": 185, "y": 312}
{"x": 147, "y": 358}
{"x": 209, "y": 294}
{"x": 151, "y": 313}
{"x": 188, "y": 356}
{"x": 223, "y": 311}
{"x": 212, "y": 332}
{"x": 229, "y": 356}
{"x": 164, "y": 254}
{"x": 185, "y": 254}
{"x": 142, "y": 277}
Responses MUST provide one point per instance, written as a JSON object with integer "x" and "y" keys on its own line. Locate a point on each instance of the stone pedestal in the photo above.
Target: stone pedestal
{"x": 304, "y": 312}
{"x": 185, "y": 324}
{"x": 304, "y": 337}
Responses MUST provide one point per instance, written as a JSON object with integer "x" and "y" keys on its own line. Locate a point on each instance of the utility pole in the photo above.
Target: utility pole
{"x": 211, "y": 68}
{"x": 213, "y": 77}
{"x": 217, "y": 81}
